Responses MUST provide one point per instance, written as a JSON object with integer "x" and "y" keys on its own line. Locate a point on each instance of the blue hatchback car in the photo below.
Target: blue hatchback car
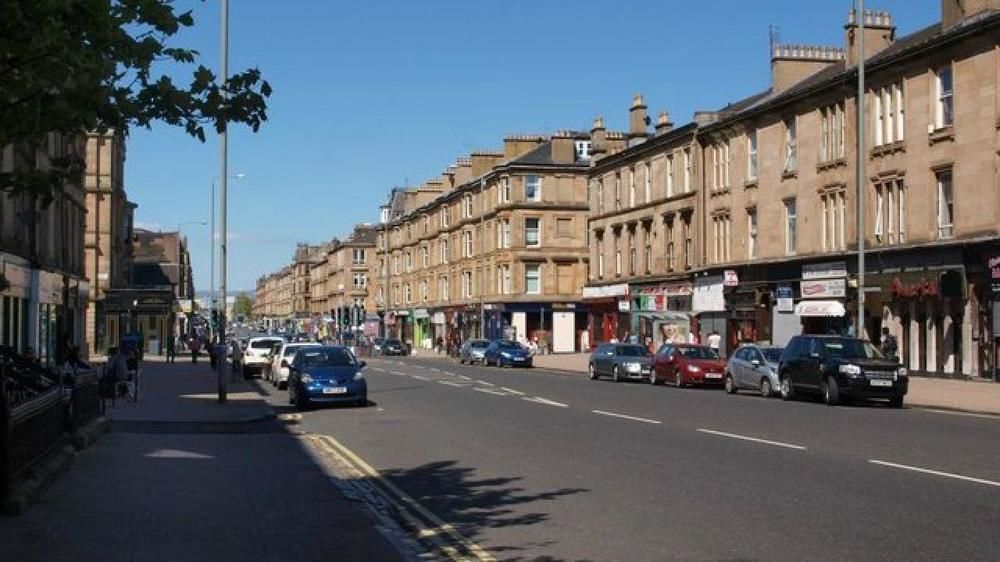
{"x": 507, "y": 353}
{"x": 326, "y": 375}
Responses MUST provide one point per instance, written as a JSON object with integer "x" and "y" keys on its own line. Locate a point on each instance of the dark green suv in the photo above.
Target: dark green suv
{"x": 840, "y": 368}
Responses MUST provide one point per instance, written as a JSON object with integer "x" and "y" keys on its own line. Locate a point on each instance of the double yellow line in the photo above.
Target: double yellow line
{"x": 426, "y": 528}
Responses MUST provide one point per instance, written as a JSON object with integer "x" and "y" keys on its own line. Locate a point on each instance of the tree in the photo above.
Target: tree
{"x": 243, "y": 305}
{"x": 69, "y": 67}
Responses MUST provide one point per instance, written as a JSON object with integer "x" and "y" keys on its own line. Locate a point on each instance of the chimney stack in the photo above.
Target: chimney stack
{"x": 879, "y": 34}
{"x": 663, "y": 124}
{"x": 484, "y": 160}
{"x": 519, "y": 145}
{"x": 790, "y": 64}
{"x": 563, "y": 147}
{"x": 599, "y": 140}
{"x": 638, "y": 120}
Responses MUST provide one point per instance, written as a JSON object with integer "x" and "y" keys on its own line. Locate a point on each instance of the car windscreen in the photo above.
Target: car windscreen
{"x": 633, "y": 351}
{"x": 263, "y": 344}
{"x": 851, "y": 349}
{"x": 290, "y": 350}
{"x": 508, "y": 345}
{"x": 307, "y": 358}
{"x": 479, "y": 343}
{"x": 393, "y": 342}
{"x": 698, "y": 352}
{"x": 772, "y": 354}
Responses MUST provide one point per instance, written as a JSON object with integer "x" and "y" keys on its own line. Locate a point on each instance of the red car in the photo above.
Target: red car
{"x": 684, "y": 364}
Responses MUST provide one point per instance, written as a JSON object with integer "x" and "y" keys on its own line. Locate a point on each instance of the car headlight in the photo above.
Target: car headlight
{"x": 306, "y": 379}
{"x": 902, "y": 372}
{"x": 851, "y": 370}
{"x": 358, "y": 376}
{"x": 694, "y": 368}
{"x": 505, "y": 355}
{"x": 632, "y": 367}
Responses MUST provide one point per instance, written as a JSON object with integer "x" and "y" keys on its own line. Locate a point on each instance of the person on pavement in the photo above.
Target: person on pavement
{"x": 195, "y": 349}
{"x": 889, "y": 346}
{"x": 171, "y": 349}
{"x": 715, "y": 341}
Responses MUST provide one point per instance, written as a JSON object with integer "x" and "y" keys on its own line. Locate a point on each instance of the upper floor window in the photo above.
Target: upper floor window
{"x": 831, "y": 133}
{"x": 532, "y": 232}
{"x": 360, "y": 280}
{"x": 600, "y": 255}
{"x": 409, "y": 261}
{"x": 409, "y": 231}
{"x": 647, "y": 184}
{"x": 468, "y": 205}
{"x": 503, "y": 192}
{"x": 631, "y": 187}
{"x": 752, "y": 233}
{"x": 791, "y": 227}
{"x": 832, "y": 227}
{"x": 467, "y": 235}
{"x": 671, "y": 262}
{"x": 669, "y": 173}
{"x": 887, "y": 118}
{"x": 533, "y": 188}
{"x": 647, "y": 249}
{"x": 945, "y": 205}
{"x": 358, "y": 256}
{"x": 444, "y": 216}
{"x": 890, "y": 206}
{"x": 752, "y": 155}
{"x": 688, "y": 170}
{"x": 944, "y": 114}
{"x": 503, "y": 233}
{"x": 533, "y": 279}
{"x": 467, "y": 288}
{"x": 423, "y": 290}
{"x": 425, "y": 256}
{"x": 618, "y": 191}
{"x": 582, "y": 149}
{"x": 721, "y": 232}
{"x": 600, "y": 196}
{"x": 618, "y": 253}
{"x": 444, "y": 251}
{"x": 791, "y": 146}
{"x": 443, "y": 288}
{"x": 688, "y": 243}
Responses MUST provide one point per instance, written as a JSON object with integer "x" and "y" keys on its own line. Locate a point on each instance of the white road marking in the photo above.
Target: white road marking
{"x": 398, "y": 373}
{"x": 935, "y": 472}
{"x": 458, "y": 384}
{"x": 449, "y": 373}
{"x": 625, "y": 417}
{"x": 490, "y": 391}
{"x": 512, "y": 391}
{"x": 753, "y": 439}
{"x": 486, "y": 383}
{"x": 435, "y": 369}
{"x": 547, "y": 402}
{"x": 459, "y": 376}
{"x": 420, "y": 377}
{"x": 968, "y": 414}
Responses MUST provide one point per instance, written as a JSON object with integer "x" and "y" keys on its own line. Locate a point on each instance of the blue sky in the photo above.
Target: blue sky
{"x": 369, "y": 95}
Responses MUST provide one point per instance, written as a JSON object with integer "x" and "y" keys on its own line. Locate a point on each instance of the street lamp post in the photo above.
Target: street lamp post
{"x": 482, "y": 257}
{"x": 223, "y": 176}
{"x": 212, "y": 296}
{"x": 860, "y": 168}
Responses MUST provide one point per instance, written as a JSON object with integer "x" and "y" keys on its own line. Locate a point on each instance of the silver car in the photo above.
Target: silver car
{"x": 754, "y": 367}
{"x": 473, "y": 351}
{"x": 621, "y": 361}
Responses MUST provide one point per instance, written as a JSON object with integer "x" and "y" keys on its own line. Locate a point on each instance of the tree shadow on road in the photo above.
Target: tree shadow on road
{"x": 472, "y": 505}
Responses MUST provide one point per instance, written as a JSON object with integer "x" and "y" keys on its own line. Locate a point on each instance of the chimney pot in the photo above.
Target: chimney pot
{"x": 638, "y": 120}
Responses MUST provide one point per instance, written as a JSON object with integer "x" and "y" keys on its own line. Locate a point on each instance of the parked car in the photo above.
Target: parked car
{"x": 326, "y": 375}
{"x": 257, "y": 354}
{"x": 507, "y": 353}
{"x": 754, "y": 367}
{"x": 621, "y": 361}
{"x": 473, "y": 351}
{"x": 393, "y": 346}
{"x": 278, "y": 373}
{"x": 840, "y": 368}
{"x": 686, "y": 364}
{"x": 377, "y": 346}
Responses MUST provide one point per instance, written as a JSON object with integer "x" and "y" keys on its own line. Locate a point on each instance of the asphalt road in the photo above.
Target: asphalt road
{"x": 531, "y": 464}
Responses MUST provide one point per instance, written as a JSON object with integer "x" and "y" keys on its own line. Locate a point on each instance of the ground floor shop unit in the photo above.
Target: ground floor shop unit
{"x": 150, "y": 314}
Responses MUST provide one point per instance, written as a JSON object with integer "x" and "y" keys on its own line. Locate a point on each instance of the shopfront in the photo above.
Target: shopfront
{"x": 662, "y": 312}
{"x": 709, "y": 306}
{"x": 823, "y": 292}
{"x": 421, "y": 328}
{"x": 608, "y": 312}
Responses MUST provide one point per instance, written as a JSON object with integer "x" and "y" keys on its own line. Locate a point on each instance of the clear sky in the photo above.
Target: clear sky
{"x": 369, "y": 95}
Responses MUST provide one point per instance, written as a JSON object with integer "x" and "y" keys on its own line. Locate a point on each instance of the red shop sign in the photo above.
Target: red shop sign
{"x": 920, "y": 289}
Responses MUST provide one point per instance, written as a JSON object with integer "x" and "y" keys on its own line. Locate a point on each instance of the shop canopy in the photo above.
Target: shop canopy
{"x": 820, "y": 308}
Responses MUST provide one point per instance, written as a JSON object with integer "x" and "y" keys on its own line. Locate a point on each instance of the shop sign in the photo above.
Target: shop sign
{"x": 605, "y": 291}
{"x": 820, "y": 309}
{"x": 823, "y": 289}
{"x": 665, "y": 289}
{"x": 920, "y": 289}
{"x": 786, "y": 298}
{"x": 624, "y": 305}
{"x": 708, "y": 294}
{"x": 564, "y": 306}
{"x": 994, "y": 263}
{"x": 437, "y": 318}
{"x": 730, "y": 279}
{"x": 826, "y": 270}
{"x": 421, "y": 313}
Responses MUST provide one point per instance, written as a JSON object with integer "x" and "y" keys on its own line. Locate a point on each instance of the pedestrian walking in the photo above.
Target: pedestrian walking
{"x": 195, "y": 347}
{"x": 715, "y": 341}
{"x": 171, "y": 348}
{"x": 889, "y": 346}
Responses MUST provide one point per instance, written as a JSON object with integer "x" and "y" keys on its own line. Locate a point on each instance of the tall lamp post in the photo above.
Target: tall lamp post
{"x": 860, "y": 168}
{"x": 223, "y": 176}
{"x": 482, "y": 257}
{"x": 212, "y": 296}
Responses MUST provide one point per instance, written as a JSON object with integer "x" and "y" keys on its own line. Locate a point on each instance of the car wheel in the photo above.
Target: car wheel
{"x": 730, "y": 384}
{"x": 896, "y": 401}
{"x": 591, "y": 372}
{"x": 281, "y": 385}
{"x": 787, "y": 389}
{"x": 461, "y": 361}
{"x": 831, "y": 392}
{"x": 652, "y": 377}
{"x": 678, "y": 381}
{"x": 765, "y": 387}
{"x": 614, "y": 374}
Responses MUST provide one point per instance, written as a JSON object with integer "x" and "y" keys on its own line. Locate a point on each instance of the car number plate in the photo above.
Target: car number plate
{"x": 334, "y": 390}
{"x": 713, "y": 375}
{"x": 880, "y": 382}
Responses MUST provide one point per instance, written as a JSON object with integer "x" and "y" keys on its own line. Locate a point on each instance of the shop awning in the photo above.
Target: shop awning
{"x": 820, "y": 308}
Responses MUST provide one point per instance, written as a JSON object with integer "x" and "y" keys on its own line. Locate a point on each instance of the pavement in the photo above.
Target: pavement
{"x": 531, "y": 463}
{"x": 180, "y": 477}
{"x": 974, "y": 395}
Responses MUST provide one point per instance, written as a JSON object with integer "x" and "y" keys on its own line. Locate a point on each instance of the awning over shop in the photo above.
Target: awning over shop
{"x": 820, "y": 308}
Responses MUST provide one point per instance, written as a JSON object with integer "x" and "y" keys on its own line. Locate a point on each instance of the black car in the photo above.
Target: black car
{"x": 840, "y": 368}
{"x": 393, "y": 347}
